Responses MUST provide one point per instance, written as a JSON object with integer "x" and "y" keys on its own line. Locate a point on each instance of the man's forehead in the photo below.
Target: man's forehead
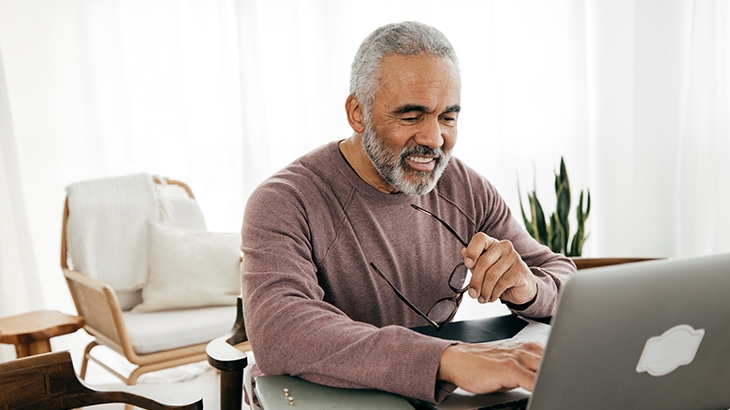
{"x": 420, "y": 80}
{"x": 394, "y": 64}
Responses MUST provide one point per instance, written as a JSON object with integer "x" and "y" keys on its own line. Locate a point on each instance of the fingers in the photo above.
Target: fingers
{"x": 479, "y": 243}
{"x": 522, "y": 366}
{"x": 531, "y": 356}
{"x": 488, "y": 367}
{"x": 497, "y": 271}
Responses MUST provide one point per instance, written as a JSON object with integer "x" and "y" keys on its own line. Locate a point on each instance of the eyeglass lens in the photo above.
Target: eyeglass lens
{"x": 460, "y": 278}
{"x": 445, "y": 308}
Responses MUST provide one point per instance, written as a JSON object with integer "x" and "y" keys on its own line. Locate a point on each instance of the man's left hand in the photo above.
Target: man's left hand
{"x": 498, "y": 271}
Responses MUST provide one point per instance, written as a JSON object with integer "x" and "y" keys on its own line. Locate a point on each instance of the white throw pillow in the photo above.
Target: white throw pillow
{"x": 190, "y": 268}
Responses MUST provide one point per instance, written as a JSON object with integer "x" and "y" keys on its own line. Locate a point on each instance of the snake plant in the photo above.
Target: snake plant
{"x": 555, "y": 231}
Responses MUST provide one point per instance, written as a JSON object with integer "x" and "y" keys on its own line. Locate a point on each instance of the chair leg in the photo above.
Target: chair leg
{"x": 85, "y": 359}
{"x": 231, "y": 390}
{"x": 132, "y": 379}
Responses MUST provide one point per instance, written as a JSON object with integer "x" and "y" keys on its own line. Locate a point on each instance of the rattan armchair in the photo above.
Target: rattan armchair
{"x": 114, "y": 326}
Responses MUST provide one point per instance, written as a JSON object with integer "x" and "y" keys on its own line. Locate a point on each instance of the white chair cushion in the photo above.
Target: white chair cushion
{"x": 190, "y": 268}
{"x": 159, "y": 331}
{"x": 184, "y": 212}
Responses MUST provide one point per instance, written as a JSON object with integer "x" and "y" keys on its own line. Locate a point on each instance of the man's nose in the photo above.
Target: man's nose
{"x": 430, "y": 134}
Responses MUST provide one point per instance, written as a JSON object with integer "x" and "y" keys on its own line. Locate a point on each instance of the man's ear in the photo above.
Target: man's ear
{"x": 355, "y": 114}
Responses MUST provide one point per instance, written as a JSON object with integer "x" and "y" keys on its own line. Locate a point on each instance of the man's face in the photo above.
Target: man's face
{"x": 412, "y": 130}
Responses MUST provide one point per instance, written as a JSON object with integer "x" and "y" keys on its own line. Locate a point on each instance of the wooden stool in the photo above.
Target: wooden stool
{"x": 31, "y": 332}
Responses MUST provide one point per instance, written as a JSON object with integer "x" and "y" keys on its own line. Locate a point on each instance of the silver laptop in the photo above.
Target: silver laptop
{"x": 648, "y": 335}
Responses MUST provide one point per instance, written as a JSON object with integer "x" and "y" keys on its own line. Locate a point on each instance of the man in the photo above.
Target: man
{"x": 315, "y": 233}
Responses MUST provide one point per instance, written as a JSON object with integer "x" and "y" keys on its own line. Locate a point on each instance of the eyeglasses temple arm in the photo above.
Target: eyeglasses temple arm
{"x": 463, "y": 242}
{"x": 405, "y": 299}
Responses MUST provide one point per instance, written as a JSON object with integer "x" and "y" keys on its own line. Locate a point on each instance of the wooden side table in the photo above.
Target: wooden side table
{"x": 31, "y": 333}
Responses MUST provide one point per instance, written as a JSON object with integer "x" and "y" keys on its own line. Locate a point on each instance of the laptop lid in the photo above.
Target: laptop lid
{"x": 639, "y": 336}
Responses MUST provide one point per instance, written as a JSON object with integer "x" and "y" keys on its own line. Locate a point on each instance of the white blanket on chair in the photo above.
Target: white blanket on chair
{"x": 106, "y": 229}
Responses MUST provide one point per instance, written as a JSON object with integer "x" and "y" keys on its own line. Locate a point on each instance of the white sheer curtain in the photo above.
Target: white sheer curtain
{"x": 220, "y": 94}
{"x": 19, "y": 281}
{"x": 704, "y": 175}
{"x": 659, "y": 118}
{"x": 637, "y": 59}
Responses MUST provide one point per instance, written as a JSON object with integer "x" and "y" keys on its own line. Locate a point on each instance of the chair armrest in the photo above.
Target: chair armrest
{"x": 221, "y": 351}
{"x": 230, "y": 362}
{"x": 224, "y": 357}
{"x": 102, "y": 318}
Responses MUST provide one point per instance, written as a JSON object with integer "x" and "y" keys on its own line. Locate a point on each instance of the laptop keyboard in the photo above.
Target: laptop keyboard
{"x": 510, "y": 405}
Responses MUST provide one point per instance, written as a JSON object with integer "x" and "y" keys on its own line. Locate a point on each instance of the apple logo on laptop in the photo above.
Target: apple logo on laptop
{"x": 675, "y": 347}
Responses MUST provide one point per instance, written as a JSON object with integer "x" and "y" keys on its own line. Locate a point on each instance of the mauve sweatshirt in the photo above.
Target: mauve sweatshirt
{"x": 314, "y": 308}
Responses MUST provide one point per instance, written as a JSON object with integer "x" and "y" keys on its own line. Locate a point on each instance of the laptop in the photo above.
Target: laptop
{"x": 648, "y": 335}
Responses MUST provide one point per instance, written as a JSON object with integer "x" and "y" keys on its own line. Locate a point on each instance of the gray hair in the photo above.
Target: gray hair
{"x": 407, "y": 38}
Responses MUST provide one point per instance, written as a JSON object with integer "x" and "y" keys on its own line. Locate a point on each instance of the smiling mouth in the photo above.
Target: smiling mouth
{"x": 421, "y": 163}
{"x": 420, "y": 160}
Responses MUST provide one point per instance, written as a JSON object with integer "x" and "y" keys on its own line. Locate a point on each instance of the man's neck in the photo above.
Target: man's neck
{"x": 354, "y": 152}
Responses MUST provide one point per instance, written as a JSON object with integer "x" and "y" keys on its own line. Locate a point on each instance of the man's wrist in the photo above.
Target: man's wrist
{"x": 443, "y": 371}
{"x": 524, "y": 306}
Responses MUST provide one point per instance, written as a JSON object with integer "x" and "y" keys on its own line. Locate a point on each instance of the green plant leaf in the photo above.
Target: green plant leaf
{"x": 554, "y": 232}
{"x": 556, "y": 243}
{"x": 528, "y": 223}
{"x": 562, "y": 207}
{"x": 539, "y": 218}
{"x": 563, "y": 199}
{"x": 576, "y": 245}
{"x": 579, "y": 211}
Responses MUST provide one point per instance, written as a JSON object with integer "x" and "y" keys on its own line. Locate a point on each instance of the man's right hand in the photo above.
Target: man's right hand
{"x": 493, "y": 366}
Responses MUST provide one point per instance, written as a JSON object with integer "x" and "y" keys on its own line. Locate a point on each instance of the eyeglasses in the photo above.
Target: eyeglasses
{"x": 444, "y": 309}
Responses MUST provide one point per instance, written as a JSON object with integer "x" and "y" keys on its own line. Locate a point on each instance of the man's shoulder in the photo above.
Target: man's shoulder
{"x": 316, "y": 174}
{"x": 312, "y": 167}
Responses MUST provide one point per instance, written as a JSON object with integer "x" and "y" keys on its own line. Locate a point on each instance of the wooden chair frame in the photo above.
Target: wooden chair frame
{"x": 48, "y": 382}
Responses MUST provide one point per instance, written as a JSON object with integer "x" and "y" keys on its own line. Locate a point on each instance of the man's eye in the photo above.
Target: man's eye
{"x": 410, "y": 119}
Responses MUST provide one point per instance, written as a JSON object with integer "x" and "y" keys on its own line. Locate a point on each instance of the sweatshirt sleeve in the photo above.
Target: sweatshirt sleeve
{"x": 293, "y": 331}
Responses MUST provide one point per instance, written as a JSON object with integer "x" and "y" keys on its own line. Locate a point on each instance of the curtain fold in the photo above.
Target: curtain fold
{"x": 704, "y": 176}
{"x": 20, "y": 289}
